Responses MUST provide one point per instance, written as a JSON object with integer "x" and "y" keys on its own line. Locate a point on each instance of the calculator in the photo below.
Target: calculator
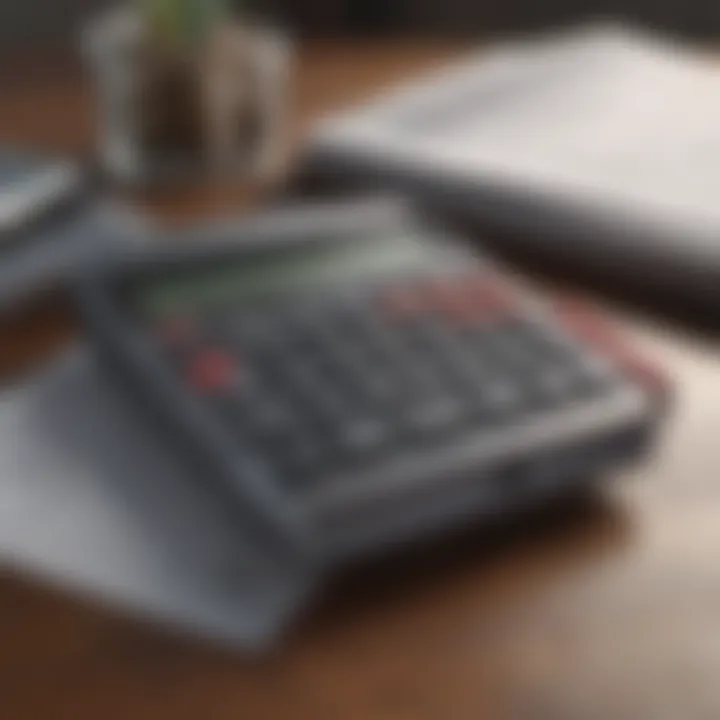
{"x": 358, "y": 379}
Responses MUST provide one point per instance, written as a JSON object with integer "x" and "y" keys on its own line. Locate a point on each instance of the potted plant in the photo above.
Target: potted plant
{"x": 187, "y": 87}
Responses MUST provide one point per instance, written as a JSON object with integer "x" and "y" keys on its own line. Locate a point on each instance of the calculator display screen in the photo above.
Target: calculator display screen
{"x": 291, "y": 269}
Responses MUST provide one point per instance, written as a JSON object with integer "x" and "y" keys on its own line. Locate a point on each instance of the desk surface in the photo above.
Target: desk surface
{"x": 610, "y": 612}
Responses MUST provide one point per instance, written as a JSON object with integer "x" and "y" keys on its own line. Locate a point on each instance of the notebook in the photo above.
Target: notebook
{"x": 599, "y": 146}
{"x": 51, "y": 221}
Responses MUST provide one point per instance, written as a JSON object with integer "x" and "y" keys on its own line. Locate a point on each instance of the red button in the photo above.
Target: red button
{"x": 212, "y": 370}
{"x": 449, "y": 297}
{"x": 589, "y": 325}
{"x": 485, "y": 298}
{"x": 403, "y": 302}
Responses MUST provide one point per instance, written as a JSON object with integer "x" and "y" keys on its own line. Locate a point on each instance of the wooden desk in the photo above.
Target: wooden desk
{"x": 609, "y": 613}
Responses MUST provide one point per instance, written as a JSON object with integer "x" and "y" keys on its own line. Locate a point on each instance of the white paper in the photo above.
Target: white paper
{"x": 606, "y": 119}
{"x": 93, "y": 500}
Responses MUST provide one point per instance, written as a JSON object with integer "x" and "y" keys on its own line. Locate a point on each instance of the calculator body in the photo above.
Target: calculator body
{"x": 353, "y": 380}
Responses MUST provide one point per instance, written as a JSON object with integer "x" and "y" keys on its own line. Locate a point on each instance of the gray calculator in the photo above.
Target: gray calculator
{"x": 363, "y": 381}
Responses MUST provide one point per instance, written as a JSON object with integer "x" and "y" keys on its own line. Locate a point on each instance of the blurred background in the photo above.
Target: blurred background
{"x": 57, "y": 22}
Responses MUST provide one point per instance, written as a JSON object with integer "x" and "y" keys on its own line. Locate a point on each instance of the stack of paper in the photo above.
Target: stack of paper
{"x": 606, "y": 139}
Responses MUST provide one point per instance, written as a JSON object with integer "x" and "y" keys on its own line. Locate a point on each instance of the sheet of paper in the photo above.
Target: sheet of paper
{"x": 93, "y": 500}
{"x": 604, "y": 118}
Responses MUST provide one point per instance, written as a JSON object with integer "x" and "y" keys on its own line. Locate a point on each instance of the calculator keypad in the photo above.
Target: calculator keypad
{"x": 323, "y": 386}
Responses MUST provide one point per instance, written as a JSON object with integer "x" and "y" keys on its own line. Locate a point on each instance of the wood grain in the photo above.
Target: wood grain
{"x": 610, "y": 610}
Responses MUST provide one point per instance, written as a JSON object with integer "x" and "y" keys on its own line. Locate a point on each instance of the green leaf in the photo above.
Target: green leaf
{"x": 183, "y": 22}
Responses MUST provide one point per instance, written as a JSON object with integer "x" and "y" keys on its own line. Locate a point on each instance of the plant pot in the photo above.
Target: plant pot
{"x": 169, "y": 117}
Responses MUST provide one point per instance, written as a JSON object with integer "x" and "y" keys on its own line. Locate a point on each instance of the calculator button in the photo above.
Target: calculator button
{"x": 252, "y": 411}
{"x": 212, "y": 371}
{"x": 260, "y": 330}
{"x": 404, "y": 301}
{"x": 499, "y": 399}
{"x": 486, "y": 299}
{"x": 378, "y": 386}
{"x": 450, "y": 297}
{"x": 451, "y": 353}
{"x": 392, "y": 356}
{"x": 435, "y": 415}
{"x": 270, "y": 418}
{"x": 363, "y": 435}
{"x": 510, "y": 345}
{"x": 303, "y": 457}
{"x": 553, "y": 386}
{"x": 280, "y": 429}
{"x": 301, "y": 376}
{"x": 176, "y": 332}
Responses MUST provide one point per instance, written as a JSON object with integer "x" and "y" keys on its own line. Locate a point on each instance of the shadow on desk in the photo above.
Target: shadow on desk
{"x": 537, "y": 548}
